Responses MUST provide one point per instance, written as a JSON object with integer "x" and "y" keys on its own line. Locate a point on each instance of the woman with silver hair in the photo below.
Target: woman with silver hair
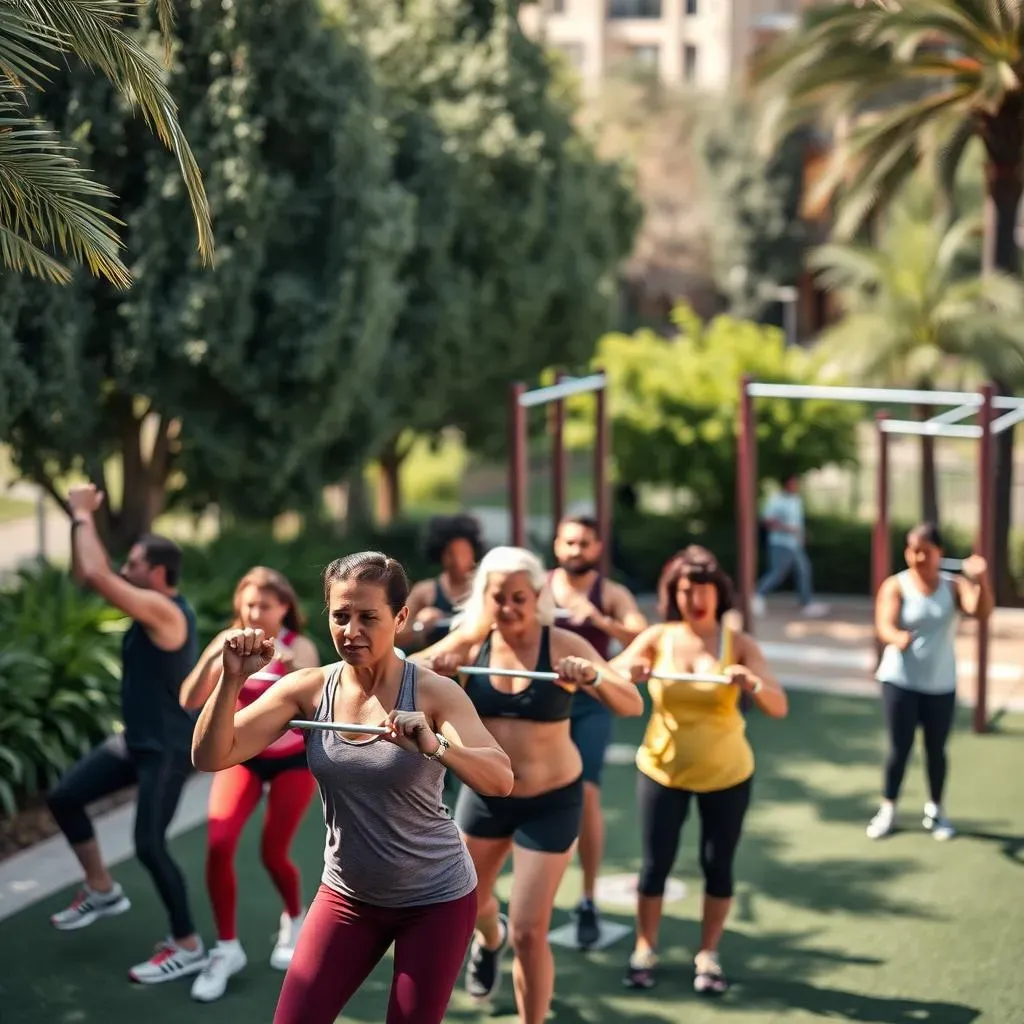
{"x": 508, "y": 626}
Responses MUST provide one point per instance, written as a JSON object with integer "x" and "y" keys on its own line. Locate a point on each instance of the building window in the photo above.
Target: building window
{"x": 634, "y": 8}
{"x": 689, "y": 63}
{"x": 691, "y": 6}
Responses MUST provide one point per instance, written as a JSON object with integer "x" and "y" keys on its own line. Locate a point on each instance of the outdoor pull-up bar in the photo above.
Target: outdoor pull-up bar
{"x": 519, "y": 469}
{"x": 945, "y": 424}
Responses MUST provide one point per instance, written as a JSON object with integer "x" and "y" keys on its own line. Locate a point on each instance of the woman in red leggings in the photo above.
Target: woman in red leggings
{"x": 396, "y": 871}
{"x": 264, "y": 599}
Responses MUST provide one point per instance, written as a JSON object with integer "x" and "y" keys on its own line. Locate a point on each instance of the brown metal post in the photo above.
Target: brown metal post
{"x": 881, "y": 543}
{"x": 986, "y": 544}
{"x": 558, "y": 474}
{"x": 602, "y": 455}
{"x": 746, "y": 502}
{"x": 517, "y": 464}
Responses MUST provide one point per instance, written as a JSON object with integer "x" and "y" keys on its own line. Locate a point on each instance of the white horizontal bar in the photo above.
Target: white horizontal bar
{"x": 519, "y": 673}
{"x": 1008, "y": 419}
{"x": 346, "y": 727}
{"x": 573, "y": 386}
{"x": 843, "y": 394}
{"x": 690, "y": 677}
{"x": 929, "y": 429}
{"x": 1007, "y": 402}
{"x": 960, "y": 412}
{"x": 951, "y": 564}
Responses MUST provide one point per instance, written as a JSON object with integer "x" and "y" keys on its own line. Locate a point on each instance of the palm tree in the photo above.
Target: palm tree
{"x": 916, "y": 78}
{"x": 912, "y": 318}
{"x": 48, "y": 203}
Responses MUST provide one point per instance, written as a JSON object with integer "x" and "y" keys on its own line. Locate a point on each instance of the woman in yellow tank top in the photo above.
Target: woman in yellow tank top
{"x": 695, "y": 745}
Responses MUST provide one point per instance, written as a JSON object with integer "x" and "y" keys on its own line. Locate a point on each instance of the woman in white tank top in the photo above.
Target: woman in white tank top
{"x": 916, "y": 614}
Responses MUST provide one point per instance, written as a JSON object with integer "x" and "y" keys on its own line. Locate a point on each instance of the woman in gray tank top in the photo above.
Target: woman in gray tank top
{"x": 916, "y": 615}
{"x": 395, "y": 868}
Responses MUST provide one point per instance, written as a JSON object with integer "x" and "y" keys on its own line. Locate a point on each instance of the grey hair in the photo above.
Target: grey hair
{"x": 509, "y": 560}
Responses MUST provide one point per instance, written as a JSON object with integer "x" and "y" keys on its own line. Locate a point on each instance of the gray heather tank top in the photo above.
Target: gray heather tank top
{"x": 390, "y": 842}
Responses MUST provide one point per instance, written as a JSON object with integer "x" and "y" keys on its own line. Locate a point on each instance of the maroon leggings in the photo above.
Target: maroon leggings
{"x": 342, "y": 940}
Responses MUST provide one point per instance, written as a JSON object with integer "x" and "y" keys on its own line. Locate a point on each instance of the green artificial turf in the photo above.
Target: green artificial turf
{"x": 827, "y": 925}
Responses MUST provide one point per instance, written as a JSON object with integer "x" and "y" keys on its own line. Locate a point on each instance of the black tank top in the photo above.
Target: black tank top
{"x": 598, "y": 638}
{"x": 442, "y": 604}
{"x": 541, "y": 701}
{"x": 153, "y": 718}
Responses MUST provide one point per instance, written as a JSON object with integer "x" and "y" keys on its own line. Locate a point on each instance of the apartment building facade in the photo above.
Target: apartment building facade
{"x": 703, "y": 43}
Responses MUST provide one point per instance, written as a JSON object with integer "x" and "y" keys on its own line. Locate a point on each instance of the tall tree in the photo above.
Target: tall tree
{"x": 911, "y": 318}
{"x": 519, "y": 226}
{"x": 918, "y": 78}
{"x": 48, "y": 203}
{"x": 233, "y": 381}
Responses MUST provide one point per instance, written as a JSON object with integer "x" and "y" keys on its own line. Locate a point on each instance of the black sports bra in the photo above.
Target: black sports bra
{"x": 541, "y": 701}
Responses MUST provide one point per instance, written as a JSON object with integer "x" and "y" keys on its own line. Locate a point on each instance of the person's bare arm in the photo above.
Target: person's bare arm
{"x": 162, "y": 619}
{"x": 474, "y": 755}
{"x": 636, "y": 660}
{"x": 617, "y": 692}
{"x": 421, "y": 597}
{"x": 303, "y": 653}
{"x": 974, "y": 589}
{"x": 625, "y": 622}
{"x": 454, "y": 649}
{"x": 199, "y": 683}
{"x": 887, "y": 615}
{"x": 755, "y": 676}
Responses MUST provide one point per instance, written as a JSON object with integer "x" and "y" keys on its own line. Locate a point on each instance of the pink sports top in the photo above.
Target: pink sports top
{"x": 292, "y": 742}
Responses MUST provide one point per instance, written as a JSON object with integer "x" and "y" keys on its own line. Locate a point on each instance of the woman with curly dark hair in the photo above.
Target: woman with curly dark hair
{"x": 695, "y": 746}
{"x": 455, "y": 544}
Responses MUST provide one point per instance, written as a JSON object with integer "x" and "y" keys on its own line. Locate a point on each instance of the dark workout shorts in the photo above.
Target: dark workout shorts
{"x": 266, "y": 769}
{"x": 591, "y": 730}
{"x": 547, "y": 823}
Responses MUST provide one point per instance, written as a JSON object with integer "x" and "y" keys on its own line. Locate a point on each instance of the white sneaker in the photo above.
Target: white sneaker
{"x": 169, "y": 962}
{"x": 287, "y": 936}
{"x": 89, "y": 906}
{"x": 757, "y": 606}
{"x": 883, "y": 823}
{"x": 226, "y": 959}
{"x": 937, "y": 823}
{"x": 815, "y": 610}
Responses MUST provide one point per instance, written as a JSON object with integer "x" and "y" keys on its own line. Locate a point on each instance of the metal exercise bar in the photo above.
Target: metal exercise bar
{"x": 897, "y": 396}
{"x": 929, "y": 428}
{"x": 346, "y": 727}
{"x": 570, "y": 386}
{"x": 519, "y": 673}
{"x": 690, "y": 677}
{"x": 1008, "y": 419}
{"x": 954, "y": 415}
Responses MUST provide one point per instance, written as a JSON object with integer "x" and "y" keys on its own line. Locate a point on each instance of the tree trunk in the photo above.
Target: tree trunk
{"x": 1003, "y": 134}
{"x": 389, "y": 486}
{"x": 929, "y": 481}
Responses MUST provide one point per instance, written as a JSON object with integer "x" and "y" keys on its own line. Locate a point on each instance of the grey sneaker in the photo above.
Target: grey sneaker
{"x": 89, "y": 906}
{"x": 937, "y": 823}
{"x": 483, "y": 973}
{"x": 170, "y": 961}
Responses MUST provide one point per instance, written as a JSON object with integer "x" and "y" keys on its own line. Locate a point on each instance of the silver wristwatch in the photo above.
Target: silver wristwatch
{"x": 442, "y": 748}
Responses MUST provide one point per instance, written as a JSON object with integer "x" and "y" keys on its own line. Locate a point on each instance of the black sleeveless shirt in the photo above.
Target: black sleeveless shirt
{"x": 541, "y": 701}
{"x": 443, "y": 604}
{"x": 150, "y": 681}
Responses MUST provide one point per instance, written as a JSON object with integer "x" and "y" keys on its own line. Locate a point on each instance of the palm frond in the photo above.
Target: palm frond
{"x": 45, "y": 199}
{"x": 20, "y": 254}
{"x": 92, "y": 29}
{"x": 21, "y": 41}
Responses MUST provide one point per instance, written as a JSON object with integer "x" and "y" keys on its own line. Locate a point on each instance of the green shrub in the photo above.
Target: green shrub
{"x": 59, "y": 679}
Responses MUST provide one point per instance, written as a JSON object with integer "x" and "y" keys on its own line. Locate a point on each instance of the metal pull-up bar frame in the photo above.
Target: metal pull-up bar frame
{"x": 960, "y": 405}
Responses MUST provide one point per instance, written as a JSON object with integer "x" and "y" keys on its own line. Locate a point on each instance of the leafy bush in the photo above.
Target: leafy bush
{"x": 60, "y": 676}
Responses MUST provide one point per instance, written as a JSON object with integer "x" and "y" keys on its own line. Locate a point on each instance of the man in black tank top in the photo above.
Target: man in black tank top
{"x": 454, "y": 543}
{"x": 604, "y": 612}
{"x": 154, "y": 750}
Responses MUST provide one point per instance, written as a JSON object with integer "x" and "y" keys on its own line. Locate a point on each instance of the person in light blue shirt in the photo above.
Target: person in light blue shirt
{"x": 916, "y": 614}
{"x": 783, "y": 518}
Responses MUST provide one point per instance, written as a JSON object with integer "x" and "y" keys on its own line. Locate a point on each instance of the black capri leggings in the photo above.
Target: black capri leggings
{"x": 160, "y": 777}
{"x": 662, "y": 814}
{"x": 904, "y": 711}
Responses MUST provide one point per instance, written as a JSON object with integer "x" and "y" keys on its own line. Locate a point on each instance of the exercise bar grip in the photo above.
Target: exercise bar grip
{"x": 519, "y": 673}
{"x": 346, "y": 727}
{"x": 690, "y": 677}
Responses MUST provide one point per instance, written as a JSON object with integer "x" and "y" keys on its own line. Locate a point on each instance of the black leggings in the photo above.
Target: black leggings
{"x": 905, "y": 710}
{"x": 662, "y": 815}
{"x": 160, "y": 777}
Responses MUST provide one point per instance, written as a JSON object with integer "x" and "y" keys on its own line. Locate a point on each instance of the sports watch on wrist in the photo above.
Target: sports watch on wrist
{"x": 442, "y": 748}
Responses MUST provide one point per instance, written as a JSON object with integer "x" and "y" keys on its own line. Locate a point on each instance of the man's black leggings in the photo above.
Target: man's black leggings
{"x": 160, "y": 777}
{"x": 662, "y": 813}
{"x": 904, "y": 711}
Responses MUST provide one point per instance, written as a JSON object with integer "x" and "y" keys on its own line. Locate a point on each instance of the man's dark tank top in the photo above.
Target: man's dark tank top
{"x": 150, "y": 681}
{"x": 598, "y": 639}
{"x": 541, "y": 701}
{"x": 443, "y": 604}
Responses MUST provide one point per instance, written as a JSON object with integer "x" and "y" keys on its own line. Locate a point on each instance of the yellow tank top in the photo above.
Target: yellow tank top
{"x": 696, "y": 737}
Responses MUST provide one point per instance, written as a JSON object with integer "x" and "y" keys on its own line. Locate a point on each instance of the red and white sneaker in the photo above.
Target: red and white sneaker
{"x": 89, "y": 906}
{"x": 170, "y": 961}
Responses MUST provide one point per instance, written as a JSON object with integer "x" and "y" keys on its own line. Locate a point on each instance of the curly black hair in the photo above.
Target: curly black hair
{"x": 442, "y": 530}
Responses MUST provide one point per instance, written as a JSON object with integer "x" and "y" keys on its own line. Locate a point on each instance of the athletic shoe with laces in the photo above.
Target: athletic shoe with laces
{"x": 937, "y": 823}
{"x": 226, "y": 959}
{"x": 169, "y": 962}
{"x": 883, "y": 823}
{"x": 89, "y": 906}
{"x": 483, "y": 973}
{"x": 708, "y": 977}
{"x": 287, "y": 936}
{"x": 588, "y": 924}
{"x": 640, "y": 971}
